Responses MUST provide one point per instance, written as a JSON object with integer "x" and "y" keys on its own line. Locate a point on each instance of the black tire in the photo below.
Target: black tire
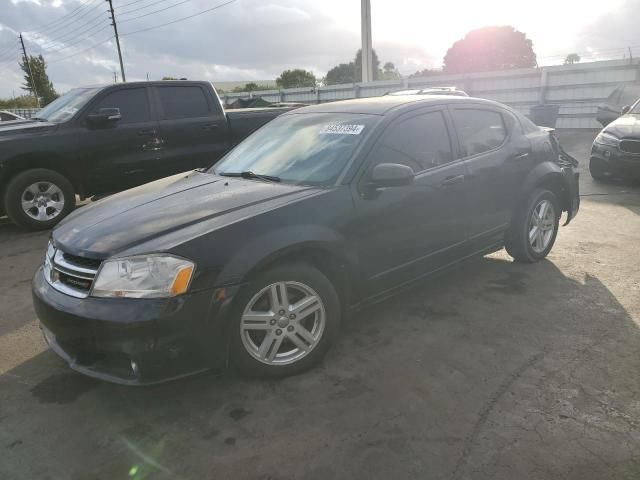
{"x": 244, "y": 362}
{"x": 18, "y": 185}
{"x": 517, "y": 241}
{"x": 598, "y": 170}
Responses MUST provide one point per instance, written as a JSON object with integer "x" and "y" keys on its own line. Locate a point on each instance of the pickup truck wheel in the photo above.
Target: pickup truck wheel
{"x": 534, "y": 227}
{"x": 284, "y": 321}
{"x": 38, "y": 199}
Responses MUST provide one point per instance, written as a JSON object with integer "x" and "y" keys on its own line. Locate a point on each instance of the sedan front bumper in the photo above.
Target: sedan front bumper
{"x": 133, "y": 341}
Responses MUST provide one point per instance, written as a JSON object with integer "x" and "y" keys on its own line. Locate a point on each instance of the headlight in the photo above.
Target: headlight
{"x": 607, "y": 139}
{"x": 151, "y": 276}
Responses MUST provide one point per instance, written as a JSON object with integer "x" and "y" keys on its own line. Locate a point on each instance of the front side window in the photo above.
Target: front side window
{"x": 132, "y": 102}
{"x": 306, "y": 148}
{"x": 479, "y": 130}
{"x": 183, "y": 102}
{"x": 420, "y": 142}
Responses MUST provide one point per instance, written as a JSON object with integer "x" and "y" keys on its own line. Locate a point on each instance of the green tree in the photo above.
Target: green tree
{"x": 251, "y": 87}
{"x": 23, "y": 101}
{"x": 169, "y": 78}
{"x": 296, "y": 78}
{"x": 351, "y": 72}
{"x": 427, "y": 72}
{"x": 490, "y": 48}
{"x": 571, "y": 59}
{"x": 389, "y": 72}
{"x": 35, "y": 76}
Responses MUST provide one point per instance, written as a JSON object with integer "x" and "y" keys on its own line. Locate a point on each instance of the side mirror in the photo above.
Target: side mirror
{"x": 626, "y": 109}
{"x": 104, "y": 115}
{"x": 391, "y": 175}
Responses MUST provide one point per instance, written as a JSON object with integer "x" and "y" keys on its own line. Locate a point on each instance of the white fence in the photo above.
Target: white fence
{"x": 23, "y": 112}
{"x": 577, "y": 89}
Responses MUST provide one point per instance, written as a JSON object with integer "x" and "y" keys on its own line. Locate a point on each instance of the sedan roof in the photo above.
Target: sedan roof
{"x": 384, "y": 104}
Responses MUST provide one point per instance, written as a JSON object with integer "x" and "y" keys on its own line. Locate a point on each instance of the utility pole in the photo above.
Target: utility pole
{"x": 115, "y": 29}
{"x": 367, "y": 49}
{"x": 115, "y": 77}
{"x": 31, "y": 79}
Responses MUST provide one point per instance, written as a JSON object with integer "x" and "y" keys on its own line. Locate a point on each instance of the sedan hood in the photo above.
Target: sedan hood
{"x": 627, "y": 126}
{"x": 145, "y": 213}
{"x": 24, "y": 127}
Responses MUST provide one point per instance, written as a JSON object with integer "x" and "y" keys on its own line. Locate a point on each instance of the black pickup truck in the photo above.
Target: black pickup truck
{"x": 98, "y": 140}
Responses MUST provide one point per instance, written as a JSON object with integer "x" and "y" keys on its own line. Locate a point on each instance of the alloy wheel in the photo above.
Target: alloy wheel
{"x": 542, "y": 225}
{"x": 282, "y": 323}
{"x": 42, "y": 201}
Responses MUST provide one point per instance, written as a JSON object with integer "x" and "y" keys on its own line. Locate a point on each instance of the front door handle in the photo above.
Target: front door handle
{"x": 521, "y": 156}
{"x": 147, "y": 132}
{"x": 452, "y": 180}
{"x": 209, "y": 126}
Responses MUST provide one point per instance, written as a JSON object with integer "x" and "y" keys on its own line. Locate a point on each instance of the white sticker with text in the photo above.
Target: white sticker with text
{"x": 342, "y": 129}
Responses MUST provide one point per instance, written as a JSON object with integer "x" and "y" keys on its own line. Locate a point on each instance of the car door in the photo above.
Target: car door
{"x": 497, "y": 156}
{"x": 403, "y": 233}
{"x": 193, "y": 127}
{"x": 119, "y": 154}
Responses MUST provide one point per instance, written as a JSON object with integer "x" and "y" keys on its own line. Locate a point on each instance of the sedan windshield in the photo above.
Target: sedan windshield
{"x": 311, "y": 148}
{"x": 65, "y": 107}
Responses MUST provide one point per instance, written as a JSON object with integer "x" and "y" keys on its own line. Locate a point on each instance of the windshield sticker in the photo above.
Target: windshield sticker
{"x": 342, "y": 129}
{"x": 70, "y": 110}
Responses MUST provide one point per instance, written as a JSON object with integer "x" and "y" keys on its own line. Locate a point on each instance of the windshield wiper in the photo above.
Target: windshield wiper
{"x": 250, "y": 175}
{"x": 38, "y": 119}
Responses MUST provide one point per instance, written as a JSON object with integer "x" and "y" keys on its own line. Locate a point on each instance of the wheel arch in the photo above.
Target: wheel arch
{"x": 548, "y": 175}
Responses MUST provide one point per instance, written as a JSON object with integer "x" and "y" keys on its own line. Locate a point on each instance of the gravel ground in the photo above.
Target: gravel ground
{"x": 494, "y": 370}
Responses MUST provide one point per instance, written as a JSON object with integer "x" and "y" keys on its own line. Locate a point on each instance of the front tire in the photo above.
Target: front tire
{"x": 284, "y": 322}
{"x": 38, "y": 199}
{"x": 534, "y": 227}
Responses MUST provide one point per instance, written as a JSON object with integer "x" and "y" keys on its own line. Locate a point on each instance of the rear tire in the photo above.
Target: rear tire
{"x": 277, "y": 338}
{"x": 534, "y": 227}
{"x": 38, "y": 199}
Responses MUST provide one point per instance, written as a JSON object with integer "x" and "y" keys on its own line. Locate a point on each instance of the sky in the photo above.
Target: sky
{"x": 257, "y": 39}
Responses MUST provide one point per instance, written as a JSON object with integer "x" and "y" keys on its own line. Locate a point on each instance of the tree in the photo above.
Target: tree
{"x": 571, "y": 59}
{"x": 40, "y": 80}
{"x": 389, "y": 72}
{"x": 490, "y": 48}
{"x": 427, "y": 72}
{"x": 251, "y": 87}
{"x": 169, "y": 78}
{"x": 351, "y": 72}
{"x": 296, "y": 78}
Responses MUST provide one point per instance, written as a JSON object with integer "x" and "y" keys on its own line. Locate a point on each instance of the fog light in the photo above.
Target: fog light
{"x": 607, "y": 154}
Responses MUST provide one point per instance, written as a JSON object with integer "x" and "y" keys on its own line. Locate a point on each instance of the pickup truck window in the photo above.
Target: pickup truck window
{"x": 132, "y": 102}
{"x": 65, "y": 107}
{"x": 183, "y": 102}
{"x": 310, "y": 148}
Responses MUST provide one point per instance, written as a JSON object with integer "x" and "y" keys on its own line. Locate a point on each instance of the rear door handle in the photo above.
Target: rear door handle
{"x": 452, "y": 180}
{"x": 147, "y": 132}
{"x": 209, "y": 126}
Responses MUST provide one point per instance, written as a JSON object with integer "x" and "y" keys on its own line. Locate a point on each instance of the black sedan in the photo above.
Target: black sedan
{"x": 616, "y": 149}
{"x": 256, "y": 261}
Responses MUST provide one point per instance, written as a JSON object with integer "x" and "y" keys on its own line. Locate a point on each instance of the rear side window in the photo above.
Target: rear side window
{"x": 132, "y": 102}
{"x": 479, "y": 130}
{"x": 183, "y": 102}
{"x": 420, "y": 142}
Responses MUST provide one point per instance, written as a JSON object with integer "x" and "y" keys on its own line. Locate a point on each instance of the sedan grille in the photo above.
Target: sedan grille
{"x": 70, "y": 274}
{"x": 630, "y": 146}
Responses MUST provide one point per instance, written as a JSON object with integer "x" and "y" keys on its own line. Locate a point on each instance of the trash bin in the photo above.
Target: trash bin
{"x": 544, "y": 115}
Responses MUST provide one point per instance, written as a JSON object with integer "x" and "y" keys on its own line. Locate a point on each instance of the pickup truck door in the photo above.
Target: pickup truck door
{"x": 120, "y": 154}
{"x": 406, "y": 232}
{"x": 193, "y": 127}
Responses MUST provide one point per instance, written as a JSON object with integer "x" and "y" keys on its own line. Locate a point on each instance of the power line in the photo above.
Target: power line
{"x": 155, "y": 11}
{"x": 120, "y": 12}
{"x": 80, "y": 40}
{"x": 68, "y": 19}
{"x": 83, "y": 50}
{"x": 132, "y": 3}
{"x": 69, "y": 36}
{"x": 178, "y": 20}
{"x": 50, "y": 37}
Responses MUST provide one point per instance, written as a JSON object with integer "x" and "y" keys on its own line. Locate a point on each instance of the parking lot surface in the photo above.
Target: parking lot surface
{"x": 494, "y": 370}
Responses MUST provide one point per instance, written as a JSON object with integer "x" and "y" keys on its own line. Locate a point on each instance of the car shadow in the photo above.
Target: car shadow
{"x": 492, "y": 370}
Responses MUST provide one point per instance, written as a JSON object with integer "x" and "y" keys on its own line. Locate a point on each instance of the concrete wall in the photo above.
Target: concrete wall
{"x": 578, "y": 89}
